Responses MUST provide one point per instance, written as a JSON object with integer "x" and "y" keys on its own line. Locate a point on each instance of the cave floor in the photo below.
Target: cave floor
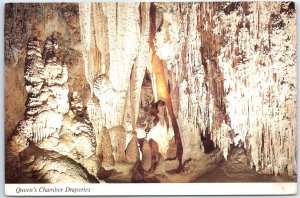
{"x": 221, "y": 175}
{"x": 216, "y": 175}
{"x": 233, "y": 170}
{"x": 236, "y": 169}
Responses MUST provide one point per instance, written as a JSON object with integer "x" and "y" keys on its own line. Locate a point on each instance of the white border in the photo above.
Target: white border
{"x": 103, "y": 189}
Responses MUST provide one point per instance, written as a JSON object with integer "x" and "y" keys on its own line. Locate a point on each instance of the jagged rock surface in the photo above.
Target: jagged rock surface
{"x": 123, "y": 44}
{"x": 118, "y": 141}
{"x": 46, "y": 121}
{"x": 43, "y": 166}
{"x": 146, "y": 155}
{"x": 263, "y": 99}
{"x": 107, "y": 151}
{"x": 216, "y": 92}
{"x": 77, "y": 138}
{"x": 28, "y": 20}
{"x": 132, "y": 151}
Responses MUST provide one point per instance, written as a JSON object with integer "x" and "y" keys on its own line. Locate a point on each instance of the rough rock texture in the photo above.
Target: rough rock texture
{"x": 140, "y": 176}
{"x": 215, "y": 91}
{"x": 14, "y": 146}
{"x": 146, "y": 155}
{"x": 141, "y": 63}
{"x": 156, "y": 155}
{"x": 160, "y": 83}
{"x": 107, "y": 151}
{"x": 46, "y": 121}
{"x": 45, "y": 79}
{"x": 42, "y": 166}
{"x": 29, "y": 20}
{"x": 171, "y": 153}
{"x": 236, "y": 169}
{"x": 262, "y": 98}
{"x": 77, "y": 138}
{"x": 132, "y": 151}
{"x": 237, "y": 162}
{"x": 123, "y": 33}
{"x": 47, "y": 91}
{"x": 153, "y": 120}
{"x": 163, "y": 132}
{"x": 118, "y": 141}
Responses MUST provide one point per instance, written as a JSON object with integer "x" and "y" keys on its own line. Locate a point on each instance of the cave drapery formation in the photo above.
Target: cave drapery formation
{"x": 113, "y": 83}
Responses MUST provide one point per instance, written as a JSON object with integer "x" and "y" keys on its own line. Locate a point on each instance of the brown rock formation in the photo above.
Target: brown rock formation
{"x": 146, "y": 155}
{"x": 106, "y": 147}
{"x": 132, "y": 151}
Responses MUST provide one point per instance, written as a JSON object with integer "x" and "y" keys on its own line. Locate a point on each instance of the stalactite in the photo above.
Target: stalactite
{"x": 85, "y": 22}
{"x": 121, "y": 43}
{"x": 263, "y": 107}
{"x": 101, "y": 36}
{"x": 142, "y": 60}
{"x": 247, "y": 60}
{"x": 195, "y": 110}
{"x": 163, "y": 91}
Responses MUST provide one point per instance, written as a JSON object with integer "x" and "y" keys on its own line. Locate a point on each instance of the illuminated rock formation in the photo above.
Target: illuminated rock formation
{"x": 226, "y": 67}
{"x": 45, "y": 166}
{"x": 48, "y": 122}
{"x": 47, "y": 91}
{"x": 123, "y": 35}
{"x": 260, "y": 79}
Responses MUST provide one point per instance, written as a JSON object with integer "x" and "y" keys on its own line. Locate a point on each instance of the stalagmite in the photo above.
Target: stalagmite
{"x": 156, "y": 156}
{"x": 107, "y": 153}
{"x": 118, "y": 140}
{"x": 146, "y": 155}
{"x": 46, "y": 81}
{"x": 132, "y": 150}
{"x": 142, "y": 60}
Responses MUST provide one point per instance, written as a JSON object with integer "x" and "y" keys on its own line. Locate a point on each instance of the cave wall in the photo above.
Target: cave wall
{"x": 29, "y": 20}
{"x": 44, "y": 110}
{"x": 266, "y": 96}
{"x": 232, "y": 70}
{"x": 115, "y": 40}
{"x": 229, "y": 68}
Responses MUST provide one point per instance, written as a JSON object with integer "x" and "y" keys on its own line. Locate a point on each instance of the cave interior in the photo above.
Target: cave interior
{"x": 150, "y": 92}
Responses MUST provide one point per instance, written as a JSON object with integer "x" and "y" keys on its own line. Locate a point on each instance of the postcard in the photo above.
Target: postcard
{"x": 150, "y": 98}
